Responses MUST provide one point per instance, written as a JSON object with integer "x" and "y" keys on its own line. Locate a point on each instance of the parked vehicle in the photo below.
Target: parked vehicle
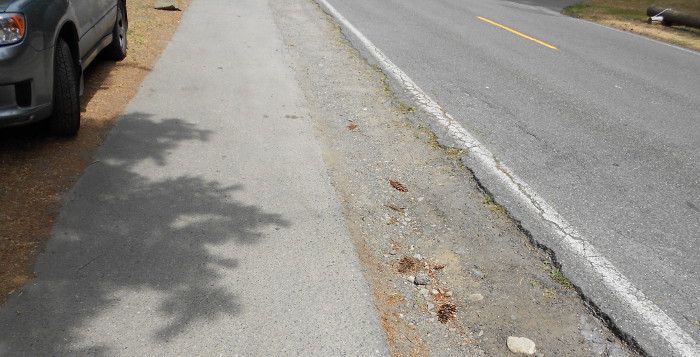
{"x": 45, "y": 45}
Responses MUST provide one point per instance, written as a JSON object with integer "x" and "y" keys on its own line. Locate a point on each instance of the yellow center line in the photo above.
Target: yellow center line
{"x": 518, "y": 33}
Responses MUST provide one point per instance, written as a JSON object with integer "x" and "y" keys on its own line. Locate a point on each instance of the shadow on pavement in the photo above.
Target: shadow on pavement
{"x": 137, "y": 256}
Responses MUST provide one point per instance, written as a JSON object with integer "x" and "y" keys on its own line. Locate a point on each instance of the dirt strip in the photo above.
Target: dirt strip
{"x": 37, "y": 170}
{"x": 452, "y": 275}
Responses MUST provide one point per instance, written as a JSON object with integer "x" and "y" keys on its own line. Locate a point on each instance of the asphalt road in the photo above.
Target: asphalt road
{"x": 602, "y": 124}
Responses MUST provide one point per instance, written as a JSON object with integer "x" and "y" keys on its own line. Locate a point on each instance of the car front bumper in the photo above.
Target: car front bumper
{"x": 26, "y": 83}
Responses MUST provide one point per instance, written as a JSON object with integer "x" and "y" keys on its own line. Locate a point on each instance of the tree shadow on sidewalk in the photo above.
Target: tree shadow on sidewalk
{"x": 137, "y": 256}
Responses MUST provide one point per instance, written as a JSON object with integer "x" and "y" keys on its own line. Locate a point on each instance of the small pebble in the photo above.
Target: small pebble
{"x": 475, "y": 297}
{"x": 412, "y": 279}
{"x": 418, "y": 256}
{"x": 478, "y": 274}
{"x": 424, "y": 292}
{"x": 521, "y": 345}
{"x": 431, "y": 306}
{"x": 448, "y": 294}
{"x": 393, "y": 252}
{"x": 421, "y": 279}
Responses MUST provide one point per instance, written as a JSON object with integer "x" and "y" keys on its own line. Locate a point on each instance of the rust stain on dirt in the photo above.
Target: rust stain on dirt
{"x": 398, "y": 186}
{"x": 407, "y": 265}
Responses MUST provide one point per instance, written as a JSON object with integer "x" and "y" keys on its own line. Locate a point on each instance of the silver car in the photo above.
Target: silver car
{"x": 45, "y": 45}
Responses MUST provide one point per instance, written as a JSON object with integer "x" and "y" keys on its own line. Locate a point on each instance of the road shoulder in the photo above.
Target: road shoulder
{"x": 413, "y": 209}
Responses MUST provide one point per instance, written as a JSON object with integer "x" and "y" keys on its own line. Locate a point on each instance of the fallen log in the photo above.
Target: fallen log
{"x": 670, "y": 17}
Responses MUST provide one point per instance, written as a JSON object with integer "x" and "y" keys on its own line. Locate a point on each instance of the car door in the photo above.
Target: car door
{"x": 95, "y": 19}
{"x": 105, "y": 14}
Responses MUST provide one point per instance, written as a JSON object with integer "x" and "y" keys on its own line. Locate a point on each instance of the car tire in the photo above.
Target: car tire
{"x": 65, "y": 120}
{"x": 117, "y": 49}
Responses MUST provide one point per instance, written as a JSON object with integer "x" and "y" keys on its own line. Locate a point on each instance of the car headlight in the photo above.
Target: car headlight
{"x": 12, "y": 28}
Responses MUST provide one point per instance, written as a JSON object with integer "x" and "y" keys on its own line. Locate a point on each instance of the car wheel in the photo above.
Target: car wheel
{"x": 65, "y": 120}
{"x": 117, "y": 49}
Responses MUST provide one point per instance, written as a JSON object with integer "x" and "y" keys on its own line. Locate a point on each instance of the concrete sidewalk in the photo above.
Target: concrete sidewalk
{"x": 207, "y": 225}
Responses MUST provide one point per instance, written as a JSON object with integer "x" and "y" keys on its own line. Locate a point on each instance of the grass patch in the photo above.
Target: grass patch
{"x": 557, "y": 275}
{"x": 403, "y": 108}
{"x": 495, "y": 207}
{"x": 629, "y": 9}
{"x": 549, "y": 293}
{"x": 630, "y": 15}
{"x": 696, "y": 323}
{"x": 454, "y": 151}
{"x": 395, "y": 299}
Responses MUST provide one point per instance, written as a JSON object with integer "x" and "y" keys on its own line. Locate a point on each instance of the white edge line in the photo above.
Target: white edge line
{"x": 662, "y": 324}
